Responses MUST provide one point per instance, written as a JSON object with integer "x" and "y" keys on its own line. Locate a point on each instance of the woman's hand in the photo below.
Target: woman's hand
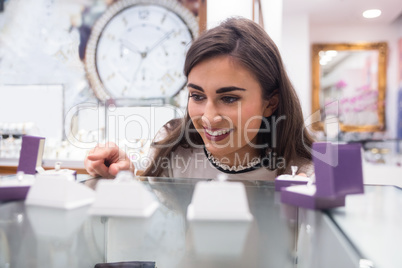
{"x": 106, "y": 160}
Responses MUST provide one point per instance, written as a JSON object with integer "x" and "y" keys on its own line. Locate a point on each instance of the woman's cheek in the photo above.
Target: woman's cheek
{"x": 252, "y": 125}
{"x": 195, "y": 112}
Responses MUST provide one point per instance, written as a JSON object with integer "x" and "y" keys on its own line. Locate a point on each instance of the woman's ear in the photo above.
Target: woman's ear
{"x": 272, "y": 105}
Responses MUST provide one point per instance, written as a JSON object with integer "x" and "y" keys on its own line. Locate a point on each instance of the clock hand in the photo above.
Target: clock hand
{"x": 144, "y": 54}
{"x": 160, "y": 41}
{"x": 136, "y": 72}
{"x": 132, "y": 47}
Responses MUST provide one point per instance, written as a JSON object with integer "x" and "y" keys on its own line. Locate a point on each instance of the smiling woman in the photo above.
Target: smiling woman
{"x": 227, "y": 108}
{"x": 243, "y": 116}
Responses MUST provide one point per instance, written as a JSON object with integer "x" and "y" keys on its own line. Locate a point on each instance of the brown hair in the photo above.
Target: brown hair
{"x": 249, "y": 45}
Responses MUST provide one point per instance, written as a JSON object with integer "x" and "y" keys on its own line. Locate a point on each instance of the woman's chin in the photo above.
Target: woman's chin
{"x": 217, "y": 149}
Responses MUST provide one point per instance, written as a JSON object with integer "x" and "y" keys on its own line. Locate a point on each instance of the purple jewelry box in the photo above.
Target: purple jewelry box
{"x": 338, "y": 169}
{"x": 30, "y": 160}
{"x": 304, "y": 196}
{"x": 31, "y": 154}
{"x": 338, "y": 172}
{"x": 15, "y": 187}
{"x": 289, "y": 180}
{"x": 10, "y": 193}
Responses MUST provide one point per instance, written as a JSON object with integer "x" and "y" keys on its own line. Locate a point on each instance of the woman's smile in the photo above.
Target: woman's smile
{"x": 217, "y": 134}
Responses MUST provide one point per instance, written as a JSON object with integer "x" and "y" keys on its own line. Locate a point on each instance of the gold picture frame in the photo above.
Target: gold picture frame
{"x": 376, "y": 87}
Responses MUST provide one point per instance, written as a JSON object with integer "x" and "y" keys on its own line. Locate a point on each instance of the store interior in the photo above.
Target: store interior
{"x": 46, "y": 89}
{"x": 75, "y": 74}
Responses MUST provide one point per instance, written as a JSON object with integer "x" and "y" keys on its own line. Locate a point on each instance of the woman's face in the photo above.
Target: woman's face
{"x": 226, "y": 107}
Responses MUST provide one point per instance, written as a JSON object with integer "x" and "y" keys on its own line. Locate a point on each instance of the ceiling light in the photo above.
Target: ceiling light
{"x": 371, "y": 13}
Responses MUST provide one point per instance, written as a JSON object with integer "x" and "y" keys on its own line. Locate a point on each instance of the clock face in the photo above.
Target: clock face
{"x": 137, "y": 49}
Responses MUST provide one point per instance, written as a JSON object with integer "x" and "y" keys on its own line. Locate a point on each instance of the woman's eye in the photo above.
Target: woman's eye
{"x": 197, "y": 97}
{"x": 229, "y": 99}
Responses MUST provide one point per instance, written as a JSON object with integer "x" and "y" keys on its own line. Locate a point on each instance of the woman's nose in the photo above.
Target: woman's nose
{"x": 211, "y": 114}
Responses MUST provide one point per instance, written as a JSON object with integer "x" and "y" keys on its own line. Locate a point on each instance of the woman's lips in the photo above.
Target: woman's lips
{"x": 216, "y": 134}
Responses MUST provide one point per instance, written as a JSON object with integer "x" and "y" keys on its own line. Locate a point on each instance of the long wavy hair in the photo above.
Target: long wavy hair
{"x": 249, "y": 45}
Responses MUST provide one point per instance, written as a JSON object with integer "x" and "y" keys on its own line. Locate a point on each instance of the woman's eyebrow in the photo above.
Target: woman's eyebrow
{"x": 218, "y": 91}
{"x": 229, "y": 89}
{"x": 195, "y": 87}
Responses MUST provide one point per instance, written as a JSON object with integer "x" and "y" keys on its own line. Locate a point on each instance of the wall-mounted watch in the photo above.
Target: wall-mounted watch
{"x": 137, "y": 49}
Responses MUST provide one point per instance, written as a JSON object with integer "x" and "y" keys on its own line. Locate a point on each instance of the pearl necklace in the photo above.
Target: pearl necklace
{"x": 251, "y": 165}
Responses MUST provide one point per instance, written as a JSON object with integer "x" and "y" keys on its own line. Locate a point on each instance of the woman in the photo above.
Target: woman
{"x": 243, "y": 116}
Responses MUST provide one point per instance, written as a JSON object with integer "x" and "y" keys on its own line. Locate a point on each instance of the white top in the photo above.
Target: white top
{"x": 193, "y": 163}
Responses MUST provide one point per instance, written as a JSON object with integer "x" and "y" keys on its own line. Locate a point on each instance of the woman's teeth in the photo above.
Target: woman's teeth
{"x": 217, "y": 133}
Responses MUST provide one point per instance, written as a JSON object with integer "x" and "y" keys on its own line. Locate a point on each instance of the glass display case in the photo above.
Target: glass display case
{"x": 364, "y": 233}
{"x": 47, "y": 237}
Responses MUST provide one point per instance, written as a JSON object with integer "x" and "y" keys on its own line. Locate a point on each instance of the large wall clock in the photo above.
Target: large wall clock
{"x": 137, "y": 49}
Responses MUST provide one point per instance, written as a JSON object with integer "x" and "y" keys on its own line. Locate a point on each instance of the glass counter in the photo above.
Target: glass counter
{"x": 43, "y": 237}
{"x": 372, "y": 224}
{"x": 365, "y": 233}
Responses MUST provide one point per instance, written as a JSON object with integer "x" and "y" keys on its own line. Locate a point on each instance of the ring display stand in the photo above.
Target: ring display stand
{"x": 59, "y": 191}
{"x": 123, "y": 197}
{"x": 220, "y": 200}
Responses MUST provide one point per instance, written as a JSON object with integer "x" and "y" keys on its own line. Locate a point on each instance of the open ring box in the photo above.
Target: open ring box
{"x": 15, "y": 187}
{"x": 30, "y": 161}
{"x": 338, "y": 172}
